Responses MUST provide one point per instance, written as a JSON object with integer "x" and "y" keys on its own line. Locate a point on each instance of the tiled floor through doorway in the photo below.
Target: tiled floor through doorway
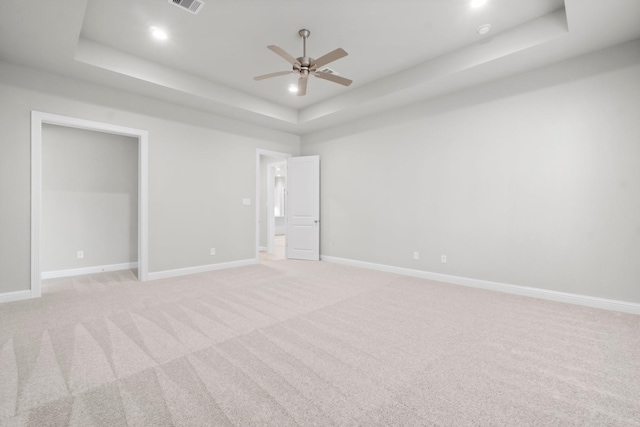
{"x": 279, "y": 250}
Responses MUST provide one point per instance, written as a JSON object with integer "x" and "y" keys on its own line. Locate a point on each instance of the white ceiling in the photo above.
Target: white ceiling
{"x": 400, "y": 51}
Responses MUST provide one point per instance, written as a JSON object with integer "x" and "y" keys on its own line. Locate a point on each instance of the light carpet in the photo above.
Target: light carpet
{"x": 295, "y": 343}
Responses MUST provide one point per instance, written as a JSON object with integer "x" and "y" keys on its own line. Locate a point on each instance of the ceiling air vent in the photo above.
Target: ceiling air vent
{"x": 193, "y": 6}
{"x": 328, "y": 70}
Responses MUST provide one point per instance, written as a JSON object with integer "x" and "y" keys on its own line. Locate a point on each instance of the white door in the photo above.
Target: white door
{"x": 303, "y": 208}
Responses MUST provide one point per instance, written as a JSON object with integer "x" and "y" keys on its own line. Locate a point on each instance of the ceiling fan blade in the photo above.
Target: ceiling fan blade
{"x": 302, "y": 86}
{"x": 333, "y": 78}
{"x": 330, "y": 57}
{"x": 276, "y": 74}
{"x": 284, "y": 54}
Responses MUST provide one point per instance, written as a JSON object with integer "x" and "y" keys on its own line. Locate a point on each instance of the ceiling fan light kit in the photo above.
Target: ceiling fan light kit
{"x": 305, "y": 66}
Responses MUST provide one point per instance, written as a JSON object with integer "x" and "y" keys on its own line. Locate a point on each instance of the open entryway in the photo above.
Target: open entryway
{"x": 271, "y": 205}
{"x": 80, "y": 199}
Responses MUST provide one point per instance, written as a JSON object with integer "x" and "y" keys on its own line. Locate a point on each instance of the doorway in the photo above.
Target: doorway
{"x": 271, "y": 205}
{"x": 276, "y": 205}
{"x": 38, "y": 119}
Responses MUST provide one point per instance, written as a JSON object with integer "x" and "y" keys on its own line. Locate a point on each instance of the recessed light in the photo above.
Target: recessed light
{"x": 483, "y": 29}
{"x": 478, "y": 3}
{"x": 293, "y": 88}
{"x": 159, "y": 33}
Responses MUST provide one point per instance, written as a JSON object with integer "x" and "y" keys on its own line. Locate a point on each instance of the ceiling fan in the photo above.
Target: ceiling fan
{"x": 306, "y": 66}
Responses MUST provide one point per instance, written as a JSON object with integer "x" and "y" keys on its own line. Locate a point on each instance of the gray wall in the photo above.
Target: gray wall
{"x": 89, "y": 198}
{"x": 201, "y": 167}
{"x": 532, "y": 180}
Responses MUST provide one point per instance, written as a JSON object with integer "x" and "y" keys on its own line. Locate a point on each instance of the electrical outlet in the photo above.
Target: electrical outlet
{"x": 213, "y": 251}
{"x": 416, "y": 255}
{"x": 80, "y": 254}
{"x": 443, "y": 259}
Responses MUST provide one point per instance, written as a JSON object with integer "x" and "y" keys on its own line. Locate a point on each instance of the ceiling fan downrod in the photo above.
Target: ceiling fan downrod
{"x": 304, "y": 34}
{"x": 304, "y": 60}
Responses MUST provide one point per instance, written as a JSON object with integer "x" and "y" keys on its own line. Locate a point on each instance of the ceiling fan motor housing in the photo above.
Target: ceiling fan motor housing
{"x": 305, "y": 64}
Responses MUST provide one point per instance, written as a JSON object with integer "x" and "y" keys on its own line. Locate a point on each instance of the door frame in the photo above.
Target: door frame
{"x": 39, "y": 118}
{"x": 268, "y": 153}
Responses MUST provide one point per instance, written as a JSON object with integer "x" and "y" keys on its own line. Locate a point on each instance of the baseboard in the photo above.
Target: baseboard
{"x": 15, "y": 296}
{"x": 585, "y": 300}
{"x": 263, "y": 249}
{"x": 87, "y": 270}
{"x": 200, "y": 269}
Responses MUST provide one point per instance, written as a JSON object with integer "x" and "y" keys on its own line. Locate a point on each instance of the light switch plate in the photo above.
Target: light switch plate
{"x": 246, "y": 202}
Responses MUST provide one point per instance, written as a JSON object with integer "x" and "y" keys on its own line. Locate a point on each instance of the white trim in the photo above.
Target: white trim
{"x": 200, "y": 269}
{"x": 585, "y": 300}
{"x": 271, "y": 221}
{"x": 269, "y": 153}
{"x": 87, "y": 270}
{"x": 263, "y": 249}
{"x": 39, "y": 118}
{"x": 36, "y": 190}
{"x": 15, "y": 296}
{"x": 143, "y": 205}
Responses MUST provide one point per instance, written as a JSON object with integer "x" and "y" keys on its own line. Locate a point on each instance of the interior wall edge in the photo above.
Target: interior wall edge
{"x": 87, "y": 270}
{"x": 15, "y": 296}
{"x": 565, "y": 297}
{"x": 156, "y": 275}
